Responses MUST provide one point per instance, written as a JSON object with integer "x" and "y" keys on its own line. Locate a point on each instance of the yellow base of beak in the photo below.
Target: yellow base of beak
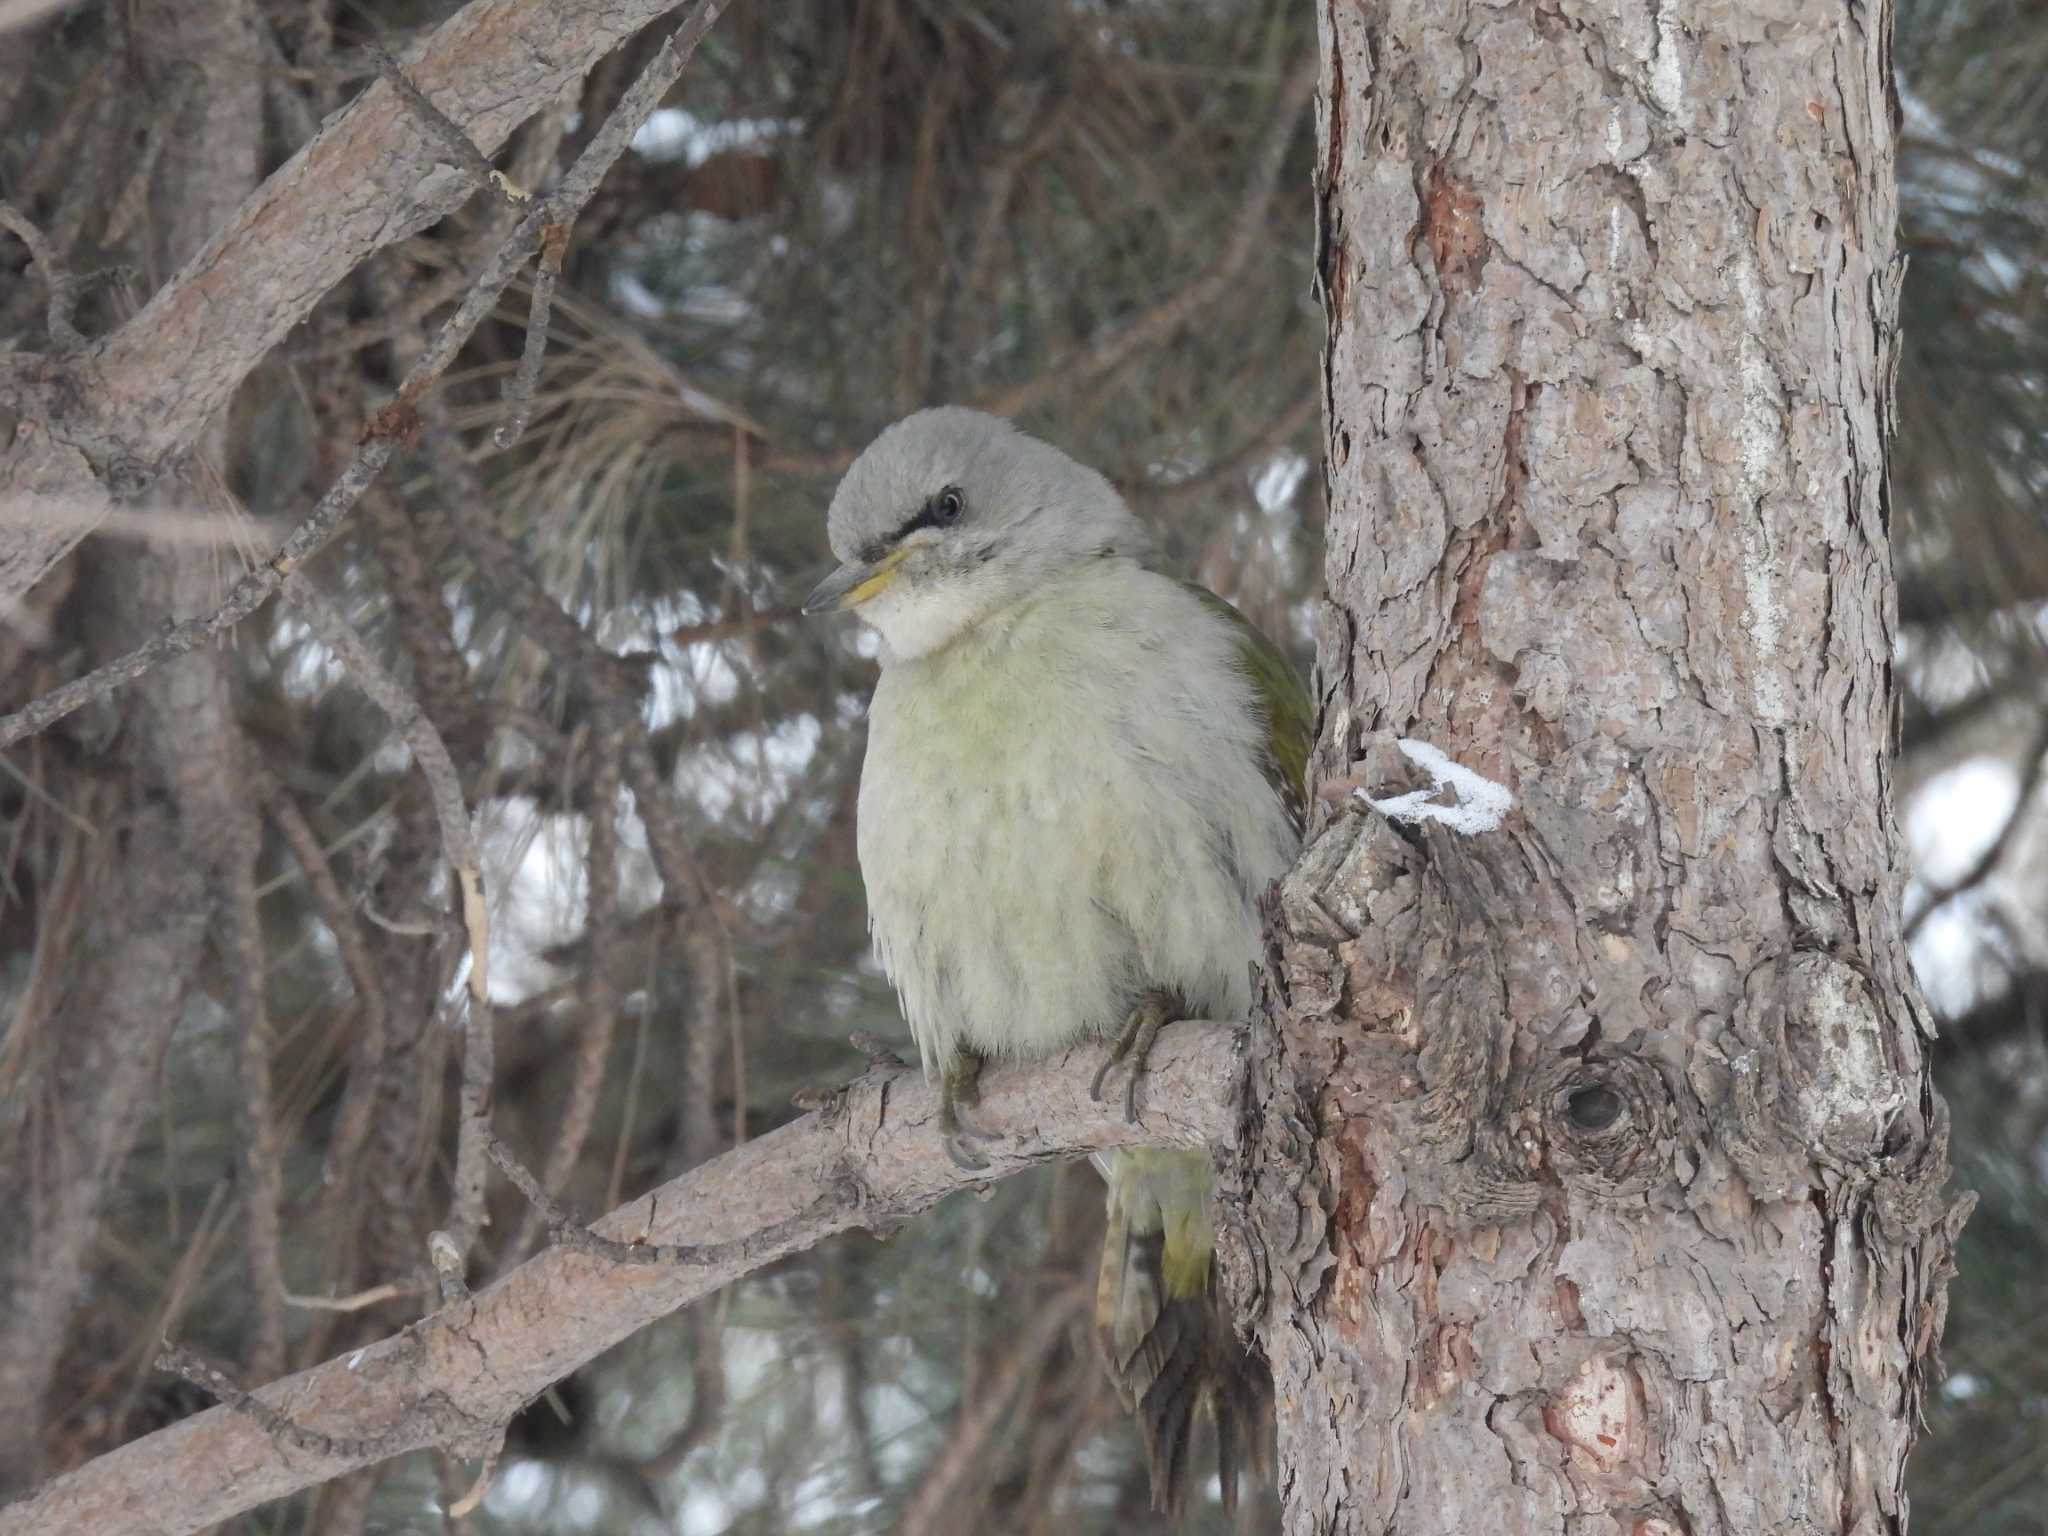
{"x": 852, "y": 585}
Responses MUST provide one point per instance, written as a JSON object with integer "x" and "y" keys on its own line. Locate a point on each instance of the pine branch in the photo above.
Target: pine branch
{"x": 871, "y": 1158}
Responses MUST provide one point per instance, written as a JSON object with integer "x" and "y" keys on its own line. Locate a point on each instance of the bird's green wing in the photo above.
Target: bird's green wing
{"x": 1290, "y": 719}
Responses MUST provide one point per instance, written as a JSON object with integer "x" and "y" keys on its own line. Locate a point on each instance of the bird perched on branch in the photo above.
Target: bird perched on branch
{"x": 1081, "y": 775}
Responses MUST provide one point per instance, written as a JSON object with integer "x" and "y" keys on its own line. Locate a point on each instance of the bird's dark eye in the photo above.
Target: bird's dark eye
{"x": 942, "y": 511}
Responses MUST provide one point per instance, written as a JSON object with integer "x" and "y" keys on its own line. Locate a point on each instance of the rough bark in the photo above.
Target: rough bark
{"x": 1597, "y": 1184}
{"x": 871, "y": 1159}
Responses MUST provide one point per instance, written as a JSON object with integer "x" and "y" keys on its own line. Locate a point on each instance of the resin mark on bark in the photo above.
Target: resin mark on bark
{"x": 1452, "y": 226}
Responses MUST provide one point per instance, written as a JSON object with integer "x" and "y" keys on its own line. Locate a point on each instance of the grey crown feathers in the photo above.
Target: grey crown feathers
{"x": 1025, "y": 510}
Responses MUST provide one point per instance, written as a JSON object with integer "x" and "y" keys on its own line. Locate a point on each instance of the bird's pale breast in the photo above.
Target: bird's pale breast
{"x": 1064, "y": 807}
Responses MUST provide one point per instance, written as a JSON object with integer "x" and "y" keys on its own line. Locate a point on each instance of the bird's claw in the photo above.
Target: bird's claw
{"x": 1134, "y": 1045}
{"x": 956, "y": 1134}
{"x": 1130, "y": 1085}
{"x": 1102, "y": 1072}
{"x": 962, "y": 1156}
{"x": 962, "y": 1087}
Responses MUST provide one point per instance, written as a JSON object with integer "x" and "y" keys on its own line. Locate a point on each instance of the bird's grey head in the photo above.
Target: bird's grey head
{"x": 952, "y": 515}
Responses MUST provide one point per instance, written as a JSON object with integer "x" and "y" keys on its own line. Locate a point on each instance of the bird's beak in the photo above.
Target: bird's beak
{"x": 852, "y": 585}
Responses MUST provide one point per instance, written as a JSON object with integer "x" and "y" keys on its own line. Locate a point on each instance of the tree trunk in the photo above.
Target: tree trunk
{"x": 180, "y": 837}
{"x": 1596, "y": 1180}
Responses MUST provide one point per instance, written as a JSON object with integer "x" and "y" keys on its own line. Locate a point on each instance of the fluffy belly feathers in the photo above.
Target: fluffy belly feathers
{"x": 1061, "y": 811}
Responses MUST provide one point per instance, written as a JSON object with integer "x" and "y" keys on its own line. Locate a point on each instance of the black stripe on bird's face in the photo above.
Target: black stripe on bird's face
{"x": 940, "y": 511}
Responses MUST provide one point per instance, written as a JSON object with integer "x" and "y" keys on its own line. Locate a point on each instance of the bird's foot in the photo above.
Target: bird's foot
{"x": 1155, "y": 1010}
{"x": 962, "y": 1089}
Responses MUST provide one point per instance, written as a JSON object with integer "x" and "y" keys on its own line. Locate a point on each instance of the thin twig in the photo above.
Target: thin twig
{"x": 742, "y": 625}
{"x": 578, "y": 1237}
{"x": 460, "y": 148}
{"x": 61, "y": 285}
{"x": 351, "y": 1126}
{"x": 239, "y": 940}
{"x": 342, "y": 1508}
{"x": 447, "y": 1257}
{"x": 425, "y": 298}
{"x": 250, "y": 591}
{"x": 599, "y": 991}
{"x": 629, "y": 1111}
{"x": 498, "y": 561}
{"x": 1261, "y": 444}
{"x": 967, "y": 1446}
{"x": 518, "y": 392}
{"x": 708, "y": 1392}
{"x": 444, "y": 781}
{"x": 397, "y": 419}
{"x": 391, "y": 1290}
{"x": 66, "y": 160}
{"x": 465, "y": 1506}
{"x": 1162, "y": 319}
{"x": 163, "y": 1321}
{"x": 188, "y": 1366}
{"x": 187, "y": 79}
{"x": 2033, "y": 766}
{"x": 458, "y": 843}
{"x": 82, "y": 179}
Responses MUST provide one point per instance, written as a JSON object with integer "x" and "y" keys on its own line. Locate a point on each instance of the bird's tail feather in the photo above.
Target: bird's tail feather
{"x": 1164, "y": 1333}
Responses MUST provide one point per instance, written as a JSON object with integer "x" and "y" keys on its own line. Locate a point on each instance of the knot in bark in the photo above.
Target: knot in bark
{"x": 1608, "y": 1123}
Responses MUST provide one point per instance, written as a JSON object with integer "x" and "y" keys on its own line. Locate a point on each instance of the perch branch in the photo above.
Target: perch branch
{"x": 872, "y": 1158}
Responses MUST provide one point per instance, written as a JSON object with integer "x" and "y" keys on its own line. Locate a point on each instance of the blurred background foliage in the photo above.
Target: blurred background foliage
{"x": 1092, "y": 214}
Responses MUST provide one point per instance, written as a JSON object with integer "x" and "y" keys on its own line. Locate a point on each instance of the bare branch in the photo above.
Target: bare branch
{"x": 185, "y": 80}
{"x": 352, "y": 1120}
{"x": 239, "y": 940}
{"x": 554, "y": 244}
{"x": 1261, "y": 444}
{"x": 396, "y": 420}
{"x": 2033, "y": 766}
{"x": 498, "y": 561}
{"x": 599, "y": 990}
{"x": 1169, "y": 314}
{"x": 188, "y": 1366}
{"x": 376, "y": 1294}
{"x": 19, "y": 13}
{"x": 460, "y": 148}
{"x": 466, "y": 1506}
{"x": 426, "y": 297}
{"x": 249, "y": 593}
{"x": 967, "y": 1446}
{"x": 1105, "y": 354}
{"x": 874, "y": 1157}
{"x": 62, "y": 287}
{"x": 444, "y": 781}
{"x": 490, "y": 67}
{"x": 458, "y": 843}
